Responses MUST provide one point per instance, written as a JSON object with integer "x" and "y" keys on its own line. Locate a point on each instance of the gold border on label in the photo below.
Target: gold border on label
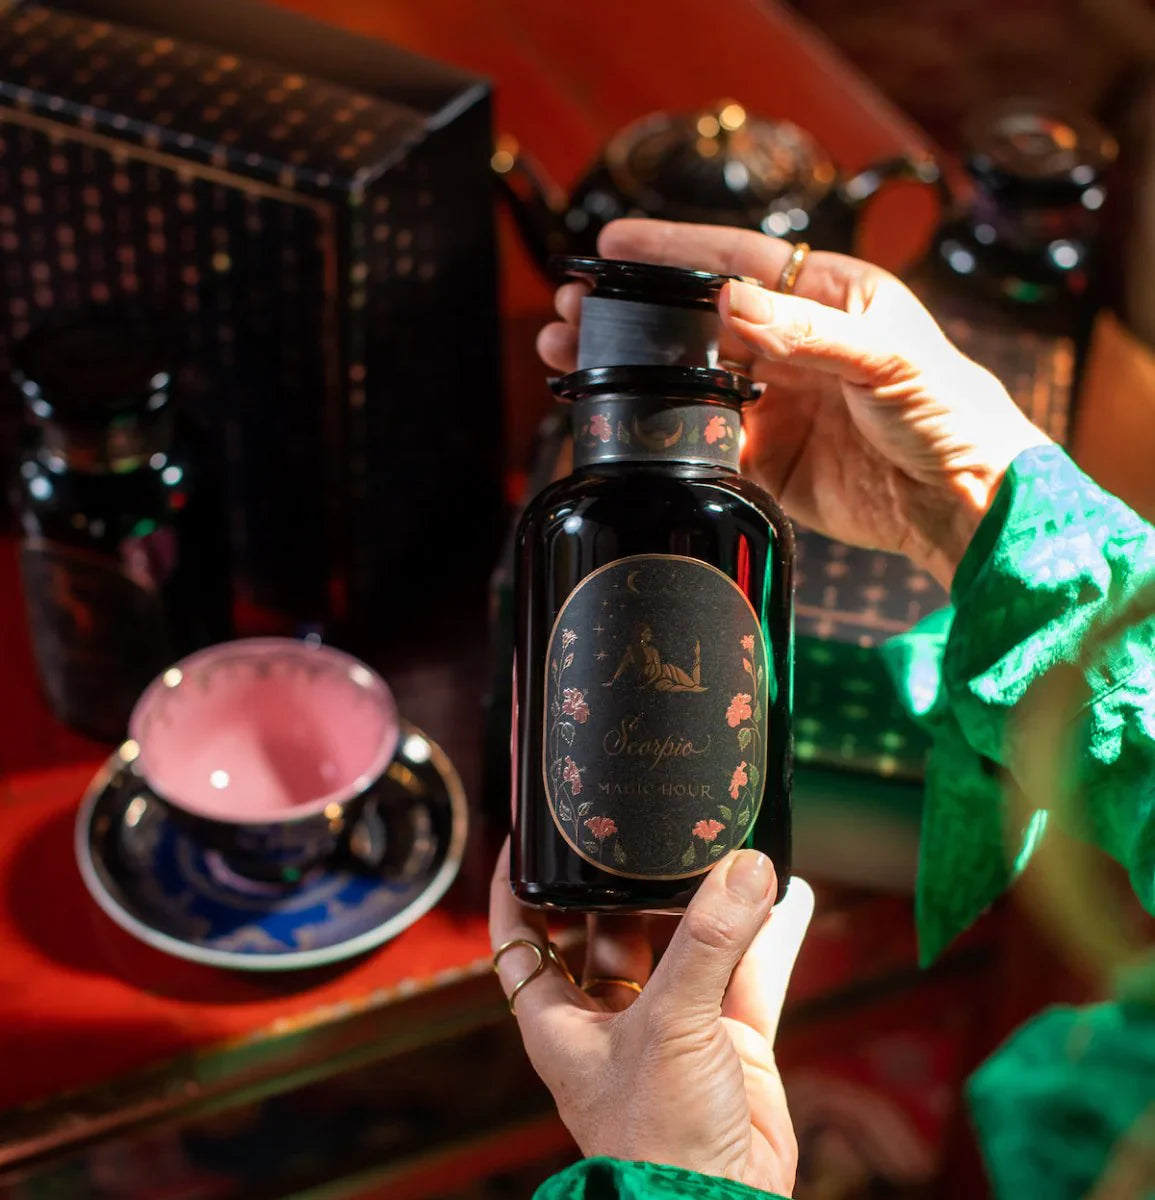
{"x": 763, "y": 699}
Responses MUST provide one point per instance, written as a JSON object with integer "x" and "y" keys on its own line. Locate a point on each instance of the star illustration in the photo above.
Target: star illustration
{"x": 601, "y": 654}
{"x": 599, "y": 629}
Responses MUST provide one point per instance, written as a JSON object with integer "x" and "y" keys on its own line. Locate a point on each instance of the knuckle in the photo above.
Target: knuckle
{"x": 709, "y": 928}
{"x": 799, "y": 336}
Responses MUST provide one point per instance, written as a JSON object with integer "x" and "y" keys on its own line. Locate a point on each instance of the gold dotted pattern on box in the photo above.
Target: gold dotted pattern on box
{"x": 246, "y": 271}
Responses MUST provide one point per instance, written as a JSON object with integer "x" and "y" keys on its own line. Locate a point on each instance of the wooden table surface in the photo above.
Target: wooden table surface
{"x": 81, "y": 1003}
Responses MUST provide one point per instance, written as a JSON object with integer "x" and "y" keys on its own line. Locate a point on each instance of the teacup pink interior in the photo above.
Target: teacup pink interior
{"x": 241, "y": 734}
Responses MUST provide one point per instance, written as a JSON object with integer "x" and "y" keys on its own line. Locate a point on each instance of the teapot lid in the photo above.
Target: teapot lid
{"x": 1035, "y": 151}
{"x": 719, "y": 162}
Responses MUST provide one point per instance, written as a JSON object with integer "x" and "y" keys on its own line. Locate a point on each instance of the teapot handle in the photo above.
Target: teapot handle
{"x": 536, "y": 203}
{"x": 905, "y": 168}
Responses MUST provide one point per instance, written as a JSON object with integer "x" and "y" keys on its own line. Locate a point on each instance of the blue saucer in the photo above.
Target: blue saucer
{"x": 166, "y": 890}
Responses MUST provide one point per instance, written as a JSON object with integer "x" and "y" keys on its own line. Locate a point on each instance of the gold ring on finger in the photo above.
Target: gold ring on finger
{"x": 793, "y": 268}
{"x": 601, "y": 982}
{"x": 554, "y": 955}
{"x": 537, "y": 970}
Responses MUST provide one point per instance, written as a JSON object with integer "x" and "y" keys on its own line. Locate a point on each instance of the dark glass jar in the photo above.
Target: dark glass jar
{"x": 123, "y": 559}
{"x": 652, "y": 724}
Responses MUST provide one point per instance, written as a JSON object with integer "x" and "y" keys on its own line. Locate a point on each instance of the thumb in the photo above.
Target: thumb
{"x": 718, "y": 927}
{"x": 792, "y": 329}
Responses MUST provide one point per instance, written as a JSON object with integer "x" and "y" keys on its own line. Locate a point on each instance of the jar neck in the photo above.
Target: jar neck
{"x": 619, "y": 429}
{"x": 125, "y": 444}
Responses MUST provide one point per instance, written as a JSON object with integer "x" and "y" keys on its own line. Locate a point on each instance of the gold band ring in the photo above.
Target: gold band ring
{"x": 555, "y": 957}
{"x": 537, "y": 970}
{"x": 550, "y": 953}
{"x": 793, "y": 268}
{"x": 605, "y": 981}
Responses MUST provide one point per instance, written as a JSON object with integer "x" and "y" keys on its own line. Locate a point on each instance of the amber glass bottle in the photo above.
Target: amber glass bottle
{"x": 652, "y": 723}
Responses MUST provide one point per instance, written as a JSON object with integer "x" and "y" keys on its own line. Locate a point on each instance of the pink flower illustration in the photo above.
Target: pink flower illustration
{"x": 573, "y": 776}
{"x": 716, "y": 429}
{"x": 600, "y": 427}
{"x": 738, "y": 780}
{"x": 739, "y": 710}
{"x": 568, "y": 637}
{"x": 748, "y": 643}
{"x": 601, "y": 827}
{"x": 574, "y": 705}
{"x": 707, "y": 830}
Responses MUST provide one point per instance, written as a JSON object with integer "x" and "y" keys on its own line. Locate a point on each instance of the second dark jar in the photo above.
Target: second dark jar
{"x": 123, "y": 549}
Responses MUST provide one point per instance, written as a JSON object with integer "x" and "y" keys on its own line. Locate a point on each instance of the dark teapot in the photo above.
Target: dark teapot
{"x": 720, "y": 166}
{"x": 1027, "y": 237}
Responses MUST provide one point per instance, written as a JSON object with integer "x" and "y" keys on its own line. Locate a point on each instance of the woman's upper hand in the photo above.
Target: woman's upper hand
{"x": 874, "y": 428}
{"x": 685, "y": 1074}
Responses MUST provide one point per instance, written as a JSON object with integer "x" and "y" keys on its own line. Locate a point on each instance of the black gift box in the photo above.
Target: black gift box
{"x": 315, "y": 224}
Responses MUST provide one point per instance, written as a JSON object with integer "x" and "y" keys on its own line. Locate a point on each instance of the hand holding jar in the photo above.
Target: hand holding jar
{"x": 670, "y": 1064}
{"x": 873, "y": 429}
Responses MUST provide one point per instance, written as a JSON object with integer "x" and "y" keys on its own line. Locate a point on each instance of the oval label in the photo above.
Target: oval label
{"x": 654, "y": 741}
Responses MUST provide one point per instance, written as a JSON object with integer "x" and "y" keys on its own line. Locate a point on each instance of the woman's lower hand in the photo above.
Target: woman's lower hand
{"x": 682, "y": 1072}
{"x": 874, "y": 428}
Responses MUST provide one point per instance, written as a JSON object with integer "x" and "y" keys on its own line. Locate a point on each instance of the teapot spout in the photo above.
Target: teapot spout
{"x": 537, "y": 204}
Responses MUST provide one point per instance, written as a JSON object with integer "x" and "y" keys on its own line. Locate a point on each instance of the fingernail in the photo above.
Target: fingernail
{"x": 750, "y": 303}
{"x": 751, "y": 876}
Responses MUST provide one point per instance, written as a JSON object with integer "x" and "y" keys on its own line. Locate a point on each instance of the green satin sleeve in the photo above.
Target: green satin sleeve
{"x": 1067, "y": 1105}
{"x": 1054, "y": 553}
{"x": 613, "y": 1179}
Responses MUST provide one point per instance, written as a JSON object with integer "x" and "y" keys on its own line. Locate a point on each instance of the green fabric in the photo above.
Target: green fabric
{"x": 1070, "y": 1101}
{"x": 1054, "y": 554}
{"x": 612, "y": 1179}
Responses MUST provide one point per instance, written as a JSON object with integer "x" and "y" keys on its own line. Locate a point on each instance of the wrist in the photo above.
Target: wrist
{"x": 945, "y": 519}
{"x": 962, "y": 507}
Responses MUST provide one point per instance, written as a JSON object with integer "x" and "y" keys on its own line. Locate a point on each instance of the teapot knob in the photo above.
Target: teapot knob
{"x": 726, "y": 116}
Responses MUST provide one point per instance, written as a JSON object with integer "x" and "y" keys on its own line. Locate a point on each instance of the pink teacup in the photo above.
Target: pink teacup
{"x": 265, "y": 749}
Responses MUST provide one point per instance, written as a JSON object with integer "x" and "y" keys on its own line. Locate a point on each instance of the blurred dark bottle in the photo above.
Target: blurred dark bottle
{"x": 1023, "y": 248}
{"x": 123, "y": 551}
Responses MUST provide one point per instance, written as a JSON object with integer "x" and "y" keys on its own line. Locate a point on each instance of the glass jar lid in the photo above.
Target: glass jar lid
{"x": 91, "y": 370}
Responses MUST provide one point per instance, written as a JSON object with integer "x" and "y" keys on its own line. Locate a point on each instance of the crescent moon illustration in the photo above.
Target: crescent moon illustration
{"x": 630, "y": 586}
{"x": 656, "y": 441}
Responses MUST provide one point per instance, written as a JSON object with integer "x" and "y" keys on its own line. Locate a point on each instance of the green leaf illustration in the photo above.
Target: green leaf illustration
{"x": 567, "y": 731}
{"x": 760, "y": 676}
{"x": 567, "y": 661}
{"x": 584, "y": 808}
{"x": 744, "y": 736}
{"x": 688, "y": 857}
{"x": 717, "y": 849}
{"x": 743, "y": 817}
{"x": 619, "y": 854}
{"x": 747, "y": 667}
{"x": 758, "y": 711}
{"x": 725, "y": 813}
{"x": 754, "y": 774}
{"x": 564, "y": 811}
{"x": 590, "y": 847}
